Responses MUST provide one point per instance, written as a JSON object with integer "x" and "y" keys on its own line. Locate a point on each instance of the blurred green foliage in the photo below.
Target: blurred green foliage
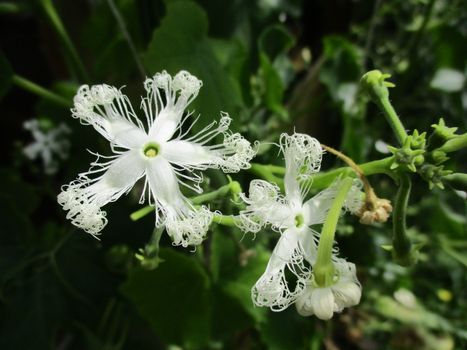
{"x": 274, "y": 66}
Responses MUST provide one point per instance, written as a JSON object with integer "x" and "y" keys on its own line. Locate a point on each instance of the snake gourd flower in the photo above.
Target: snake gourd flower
{"x": 160, "y": 151}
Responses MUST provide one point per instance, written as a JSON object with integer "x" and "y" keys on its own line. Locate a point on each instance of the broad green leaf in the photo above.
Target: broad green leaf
{"x": 6, "y": 74}
{"x": 32, "y": 312}
{"x": 343, "y": 64}
{"x": 286, "y": 330}
{"x": 340, "y": 73}
{"x": 239, "y": 286}
{"x": 229, "y": 316}
{"x": 224, "y": 255}
{"x": 181, "y": 43}
{"x": 174, "y": 299}
{"x": 274, "y": 41}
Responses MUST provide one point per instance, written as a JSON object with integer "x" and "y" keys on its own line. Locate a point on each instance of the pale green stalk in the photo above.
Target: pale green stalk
{"x": 40, "y": 91}
{"x": 324, "y": 268}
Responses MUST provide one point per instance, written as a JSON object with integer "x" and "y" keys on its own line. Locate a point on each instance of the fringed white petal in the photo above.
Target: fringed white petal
{"x": 303, "y": 155}
{"x": 354, "y": 200}
{"x": 166, "y": 102}
{"x": 324, "y": 302}
{"x": 347, "y": 289}
{"x": 194, "y": 153}
{"x": 190, "y": 228}
{"x": 185, "y": 224}
{"x": 84, "y": 197}
{"x": 265, "y": 206}
{"x": 110, "y": 113}
{"x": 316, "y": 208}
{"x": 272, "y": 289}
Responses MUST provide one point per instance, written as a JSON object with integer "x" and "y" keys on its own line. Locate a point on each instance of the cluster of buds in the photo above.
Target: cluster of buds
{"x": 411, "y": 154}
{"x": 375, "y": 210}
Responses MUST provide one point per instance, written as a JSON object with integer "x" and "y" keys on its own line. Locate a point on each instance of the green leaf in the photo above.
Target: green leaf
{"x": 343, "y": 64}
{"x": 274, "y": 41}
{"x": 181, "y": 43}
{"x": 286, "y": 330}
{"x": 238, "y": 318}
{"x": 174, "y": 299}
{"x": 36, "y": 308}
{"x": 6, "y": 74}
{"x": 239, "y": 286}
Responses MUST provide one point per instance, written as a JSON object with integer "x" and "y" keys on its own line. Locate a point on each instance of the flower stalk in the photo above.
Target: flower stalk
{"x": 404, "y": 252}
{"x": 57, "y": 24}
{"x": 324, "y": 267}
{"x": 374, "y": 82}
{"x": 233, "y": 187}
{"x": 40, "y": 91}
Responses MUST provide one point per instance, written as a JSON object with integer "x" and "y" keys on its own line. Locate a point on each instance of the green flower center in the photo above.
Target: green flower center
{"x": 151, "y": 150}
{"x": 299, "y": 221}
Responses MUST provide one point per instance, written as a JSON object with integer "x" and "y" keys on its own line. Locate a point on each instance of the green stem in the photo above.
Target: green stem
{"x": 126, "y": 35}
{"x": 40, "y": 91}
{"x": 57, "y": 24}
{"x": 203, "y": 198}
{"x": 324, "y": 179}
{"x": 400, "y": 242}
{"x": 457, "y": 181}
{"x": 206, "y": 197}
{"x": 226, "y": 220}
{"x": 455, "y": 144}
{"x": 266, "y": 172}
{"x": 393, "y": 119}
{"x": 11, "y": 7}
{"x": 324, "y": 270}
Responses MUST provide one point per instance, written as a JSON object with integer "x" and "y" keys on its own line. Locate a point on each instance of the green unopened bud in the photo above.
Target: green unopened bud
{"x": 434, "y": 174}
{"x": 441, "y": 133}
{"x": 417, "y": 141}
{"x": 457, "y": 180}
{"x": 375, "y": 84}
{"x": 456, "y": 143}
{"x": 438, "y": 157}
{"x": 406, "y": 157}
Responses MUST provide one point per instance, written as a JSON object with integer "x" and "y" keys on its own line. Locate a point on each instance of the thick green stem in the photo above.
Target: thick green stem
{"x": 267, "y": 172}
{"x": 324, "y": 270}
{"x": 203, "y": 198}
{"x": 400, "y": 242}
{"x": 149, "y": 255}
{"x": 57, "y": 24}
{"x": 226, "y": 220}
{"x": 457, "y": 181}
{"x": 206, "y": 197}
{"x": 374, "y": 82}
{"x": 40, "y": 91}
{"x": 393, "y": 119}
{"x": 11, "y": 7}
{"x": 324, "y": 179}
{"x": 454, "y": 144}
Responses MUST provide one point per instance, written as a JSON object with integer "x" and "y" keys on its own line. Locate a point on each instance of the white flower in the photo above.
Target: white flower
{"x": 162, "y": 154}
{"x": 323, "y": 302}
{"x": 292, "y": 216}
{"x": 48, "y": 144}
